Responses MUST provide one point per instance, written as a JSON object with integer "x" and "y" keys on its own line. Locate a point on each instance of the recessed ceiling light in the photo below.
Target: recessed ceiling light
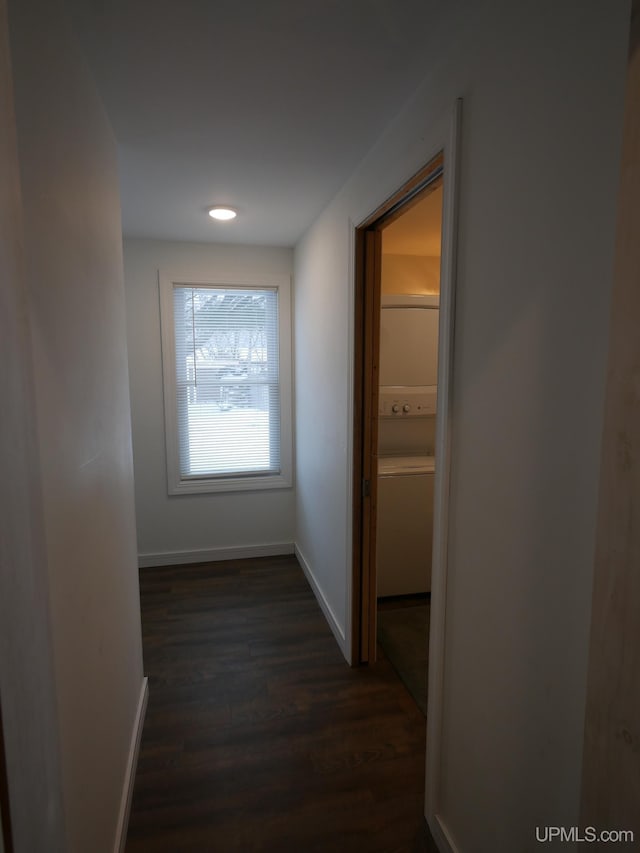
{"x": 222, "y": 213}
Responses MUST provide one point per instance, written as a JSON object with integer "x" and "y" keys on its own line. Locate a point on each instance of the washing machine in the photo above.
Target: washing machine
{"x": 405, "y": 524}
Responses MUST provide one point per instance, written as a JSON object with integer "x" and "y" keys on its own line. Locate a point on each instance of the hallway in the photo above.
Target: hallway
{"x": 258, "y": 736}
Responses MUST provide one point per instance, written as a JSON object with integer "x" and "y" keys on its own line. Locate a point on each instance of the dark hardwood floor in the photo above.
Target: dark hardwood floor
{"x": 258, "y": 735}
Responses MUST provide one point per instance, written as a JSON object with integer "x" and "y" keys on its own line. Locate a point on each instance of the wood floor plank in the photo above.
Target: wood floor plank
{"x": 258, "y": 736}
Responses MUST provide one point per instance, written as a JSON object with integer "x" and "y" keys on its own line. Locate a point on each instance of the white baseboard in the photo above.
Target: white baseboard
{"x": 441, "y": 835}
{"x": 330, "y": 616}
{"x": 130, "y": 774}
{"x": 212, "y": 555}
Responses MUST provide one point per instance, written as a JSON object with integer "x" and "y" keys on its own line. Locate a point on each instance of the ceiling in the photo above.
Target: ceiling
{"x": 264, "y": 105}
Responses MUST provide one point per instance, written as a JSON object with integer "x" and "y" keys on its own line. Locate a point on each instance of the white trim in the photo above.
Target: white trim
{"x": 197, "y": 486}
{"x": 330, "y": 616}
{"x": 441, "y": 835}
{"x": 348, "y": 650}
{"x": 214, "y": 555}
{"x": 176, "y": 485}
{"x": 444, "y": 420}
{"x": 130, "y": 772}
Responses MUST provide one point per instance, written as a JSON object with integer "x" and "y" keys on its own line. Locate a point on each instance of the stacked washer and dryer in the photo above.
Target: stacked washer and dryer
{"x": 406, "y": 442}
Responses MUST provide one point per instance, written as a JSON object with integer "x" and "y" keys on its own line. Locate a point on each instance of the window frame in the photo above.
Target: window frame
{"x": 176, "y": 483}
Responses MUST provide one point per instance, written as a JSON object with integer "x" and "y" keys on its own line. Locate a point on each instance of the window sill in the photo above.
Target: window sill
{"x": 229, "y": 484}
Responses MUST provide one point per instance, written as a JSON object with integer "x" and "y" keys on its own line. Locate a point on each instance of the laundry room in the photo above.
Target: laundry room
{"x": 407, "y": 404}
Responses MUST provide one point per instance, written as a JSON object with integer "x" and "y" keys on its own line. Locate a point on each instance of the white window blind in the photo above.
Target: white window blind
{"x": 227, "y": 381}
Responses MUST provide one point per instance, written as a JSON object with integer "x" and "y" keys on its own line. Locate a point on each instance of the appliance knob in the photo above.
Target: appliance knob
{"x": 395, "y": 408}
{"x": 406, "y": 408}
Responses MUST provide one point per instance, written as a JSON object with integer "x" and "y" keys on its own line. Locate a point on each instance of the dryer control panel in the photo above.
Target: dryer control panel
{"x": 407, "y": 401}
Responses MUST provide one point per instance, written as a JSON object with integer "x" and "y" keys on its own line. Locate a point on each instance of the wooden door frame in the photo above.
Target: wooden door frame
{"x": 610, "y": 747}
{"x": 366, "y": 300}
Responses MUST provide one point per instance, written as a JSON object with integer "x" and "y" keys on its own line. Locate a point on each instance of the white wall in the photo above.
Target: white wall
{"x": 72, "y": 238}
{"x": 26, "y": 667}
{"x": 542, "y": 88}
{"x": 205, "y": 526}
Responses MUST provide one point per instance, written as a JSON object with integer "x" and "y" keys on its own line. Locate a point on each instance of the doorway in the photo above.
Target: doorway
{"x": 408, "y": 362}
{"x": 443, "y": 165}
{"x": 384, "y": 244}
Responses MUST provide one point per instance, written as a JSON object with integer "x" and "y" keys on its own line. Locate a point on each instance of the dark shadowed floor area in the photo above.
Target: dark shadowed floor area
{"x": 258, "y": 736}
{"x": 403, "y": 633}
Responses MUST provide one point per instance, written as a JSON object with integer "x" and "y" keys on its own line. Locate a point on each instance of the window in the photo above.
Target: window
{"x": 226, "y": 358}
